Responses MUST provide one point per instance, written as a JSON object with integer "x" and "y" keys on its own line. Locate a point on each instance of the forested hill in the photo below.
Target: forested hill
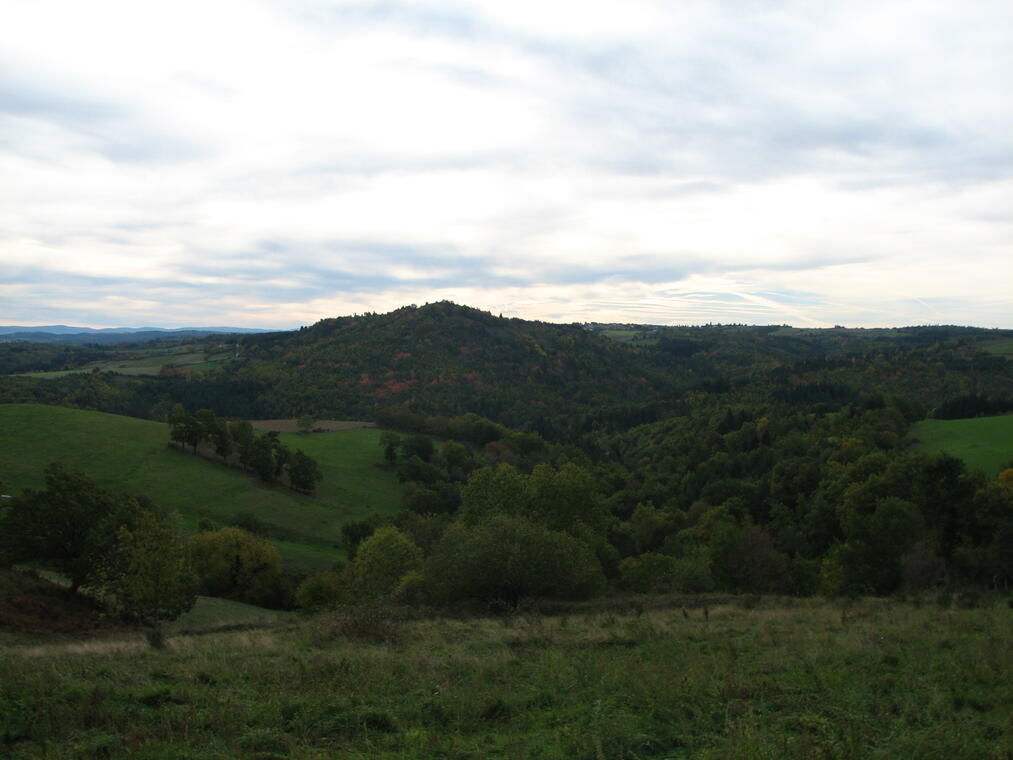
{"x": 563, "y": 381}
{"x": 448, "y": 359}
{"x": 760, "y": 459}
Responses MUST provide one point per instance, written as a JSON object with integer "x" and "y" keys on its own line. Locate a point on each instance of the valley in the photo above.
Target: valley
{"x": 528, "y": 540}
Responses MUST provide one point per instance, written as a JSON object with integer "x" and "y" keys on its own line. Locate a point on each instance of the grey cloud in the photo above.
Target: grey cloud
{"x": 704, "y": 108}
{"x": 321, "y": 267}
{"x": 424, "y": 21}
{"x": 112, "y": 129}
{"x": 27, "y": 97}
{"x": 146, "y": 146}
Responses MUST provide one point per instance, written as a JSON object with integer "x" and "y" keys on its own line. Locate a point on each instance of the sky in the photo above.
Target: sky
{"x": 269, "y": 163}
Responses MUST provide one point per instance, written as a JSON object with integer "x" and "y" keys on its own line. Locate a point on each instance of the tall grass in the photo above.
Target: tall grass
{"x": 785, "y": 680}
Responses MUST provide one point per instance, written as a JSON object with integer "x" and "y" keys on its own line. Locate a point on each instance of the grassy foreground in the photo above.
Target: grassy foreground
{"x": 782, "y": 679}
{"x": 985, "y": 443}
{"x": 132, "y": 455}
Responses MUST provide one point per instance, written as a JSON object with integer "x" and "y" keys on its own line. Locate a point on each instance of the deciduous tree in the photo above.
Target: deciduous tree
{"x": 61, "y": 525}
{"x": 303, "y": 472}
{"x": 382, "y": 560}
{"x": 145, "y": 575}
{"x": 234, "y": 563}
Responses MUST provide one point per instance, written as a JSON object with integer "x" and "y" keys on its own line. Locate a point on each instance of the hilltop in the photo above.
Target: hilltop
{"x": 448, "y": 359}
{"x": 558, "y": 380}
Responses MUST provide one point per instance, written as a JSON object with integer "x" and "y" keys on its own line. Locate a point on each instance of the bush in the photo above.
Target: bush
{"x": 319, "y": 591}
{"x": 509, "y": 558}
{"x": 383, "y": 560}
{"x": 648, "y": 572}
{"x": 692, "y": 574}
{"x": 411, "y": 589}
{"x": 234, "y": 563}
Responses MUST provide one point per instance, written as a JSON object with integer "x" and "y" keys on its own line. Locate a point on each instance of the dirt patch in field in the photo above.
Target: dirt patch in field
{"x": 320, "y": 426}
{"x": 33, "y": 605}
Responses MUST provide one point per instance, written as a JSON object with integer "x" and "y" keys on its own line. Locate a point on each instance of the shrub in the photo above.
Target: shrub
{"x": 319, "y": 591}
{"x": 234, "y": 563}
{"x": 155, "y": 638}
{"x": 648, "y": 572}
{"x": 509, "y": 558}
{"x": 692, "y": 574}
{"x": 411, "y": 589}
{"x": 145, "y": 575}
{"x": 383, "y": 560}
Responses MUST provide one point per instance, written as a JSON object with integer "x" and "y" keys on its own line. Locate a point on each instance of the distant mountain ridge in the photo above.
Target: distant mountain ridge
{"x": 70, "y": 330}
{"x": 106, "y": 335}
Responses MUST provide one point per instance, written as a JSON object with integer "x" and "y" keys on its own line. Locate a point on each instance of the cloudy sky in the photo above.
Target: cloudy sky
{"x": 268, "y": 163}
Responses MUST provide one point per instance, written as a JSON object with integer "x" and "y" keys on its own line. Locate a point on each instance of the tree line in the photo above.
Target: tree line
{"x": 757, "y": 499}
{"x": 264, "y": 454}
{"x": 723, "y": 457}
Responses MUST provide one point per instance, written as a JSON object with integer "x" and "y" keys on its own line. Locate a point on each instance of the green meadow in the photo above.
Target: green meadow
{"x": 999, "y": 347}
{"x": 984, "y": 443}
{"x": 150, "y": 361}
{"x": 132, "y": 455}
{"x": 739, "y": 678}
{"x": 212, "y": 612}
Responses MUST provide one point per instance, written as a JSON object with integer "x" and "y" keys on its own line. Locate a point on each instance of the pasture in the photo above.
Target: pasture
{"x": 999, "y": 347}
{"x": 132, "y": 455}
{"x": 723, "y": 677}
{"x": 151, "y": 361}
{"x": 984, "y": 443}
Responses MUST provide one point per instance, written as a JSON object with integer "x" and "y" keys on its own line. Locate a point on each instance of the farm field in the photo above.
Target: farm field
{"x": 984, "y": 443}
{"x": 999, "y": 347}
{"x": 132, "y": 455}
{"x": 624, "y": 678}
{"x": 150, "y": 362}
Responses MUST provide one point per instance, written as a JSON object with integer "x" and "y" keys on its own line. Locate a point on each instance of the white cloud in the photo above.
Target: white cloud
{"x": 291, "y": 161}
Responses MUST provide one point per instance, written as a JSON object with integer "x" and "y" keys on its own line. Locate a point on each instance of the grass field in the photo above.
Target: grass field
{"x": 150, "y": 361}
{"x": 999, "y": 346}
{"x": 775, "y": 679}
{"x": 639, "y": 338}
{"x": 131, "y": 455}
{"x": 985, "y": 443}
{"x": 211, "y": 612}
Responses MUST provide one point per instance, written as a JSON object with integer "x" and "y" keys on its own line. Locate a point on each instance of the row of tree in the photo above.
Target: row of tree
{"x": 236, "y": 440}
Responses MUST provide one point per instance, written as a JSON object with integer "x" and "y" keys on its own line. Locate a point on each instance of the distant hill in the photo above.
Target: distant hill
{"x": 111, "y": 335}
{"x": 443, "y": 358}
{"x": 561, "y": 380}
